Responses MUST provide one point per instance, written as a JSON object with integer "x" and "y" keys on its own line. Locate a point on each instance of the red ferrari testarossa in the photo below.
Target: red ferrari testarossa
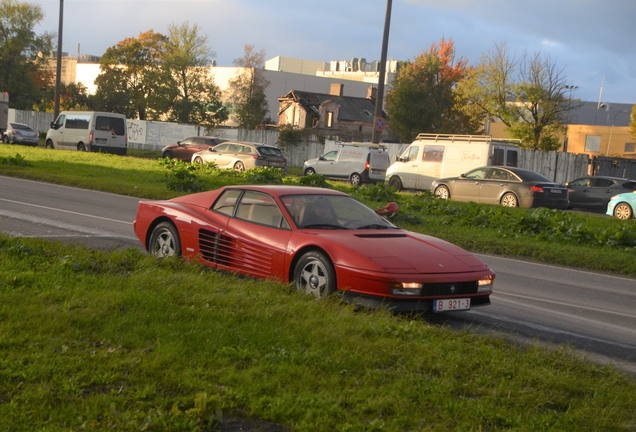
{"x": 320, "y": 240}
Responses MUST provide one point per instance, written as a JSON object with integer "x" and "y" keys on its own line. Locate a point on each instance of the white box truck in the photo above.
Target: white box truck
{"x": 433, "y": 156}
{"x": 89, "y": 131}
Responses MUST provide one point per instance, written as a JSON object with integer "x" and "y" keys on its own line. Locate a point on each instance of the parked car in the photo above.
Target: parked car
{"x": 357, "y": 163}
{"x": 184, "y": 149}
{"x": 594, "y": 192}
{"x": 239, "y": 156}
{"x": 19, "y": 133}
{"x": 508, "y": 186}
{"x": 270, "y": 232}
{"x": 622, "y": 206}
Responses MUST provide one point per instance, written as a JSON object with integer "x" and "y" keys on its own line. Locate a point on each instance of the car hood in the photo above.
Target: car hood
{"x": 402, "y": 251}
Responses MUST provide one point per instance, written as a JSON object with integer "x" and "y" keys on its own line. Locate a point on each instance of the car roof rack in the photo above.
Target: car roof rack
{"x": 469, "y": 138}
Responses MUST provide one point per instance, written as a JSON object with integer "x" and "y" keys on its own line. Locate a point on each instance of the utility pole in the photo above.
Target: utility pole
{"x": 378, "y": 121}
{"x": 58, "y": 74}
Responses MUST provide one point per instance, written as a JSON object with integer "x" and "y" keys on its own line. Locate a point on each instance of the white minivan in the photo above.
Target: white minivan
{"x": 433, "y": 156}
{"x": 89, "y": 131}
{"x": 356, "y": 163}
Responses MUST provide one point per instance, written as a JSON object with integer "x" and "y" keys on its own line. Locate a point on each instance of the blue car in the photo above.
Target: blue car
{"x": 622, "y": 205}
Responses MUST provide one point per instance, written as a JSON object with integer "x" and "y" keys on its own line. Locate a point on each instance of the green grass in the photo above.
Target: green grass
{"x": 116, "y": 340}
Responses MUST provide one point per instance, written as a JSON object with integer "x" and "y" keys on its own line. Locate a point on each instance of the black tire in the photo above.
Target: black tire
{"x": 49, "y": 144}
{"x": 5, "y": 139}
{"x": 442, "y": 192}
{"x": 310, "y": 171}
{"x": 166, "y": 154}
{"x": 239, "y": 166}
{"x": 165, "y": 241}
{"x": 395, "y": 183}
{"x": 80, "y": 147}
{"x": 623, "y": 211}
{"x": 314, "y": 274}
{"x": 355, "y": 179}
{"x": 509, "y": 200}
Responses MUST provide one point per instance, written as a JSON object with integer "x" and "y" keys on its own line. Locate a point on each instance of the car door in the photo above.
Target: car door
{"x": 467, "y": 187}
{"x": 601, "y": 192}
{"x": 409, "y": 164}
{"x": 324, "y": 164}
{"x": 579, "y": 191}
{"x": 218, "y": 155}
{"x": 184, "y": 150}
{"x": 493, "y": 186}
{"x": 257, "y": 237}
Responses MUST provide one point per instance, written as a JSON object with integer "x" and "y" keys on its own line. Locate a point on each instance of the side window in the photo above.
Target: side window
{"x": 512, "y": 158}
{"x": 77, "y": 122}
{"x": 235, "y": 148}
{"x": 602, "y": 183}
{"x": 226, "y": 202}
{"x": 411, "y": 153}
{"x": 580, "y": 182}
{"x": 221, "y": 148}
{"x": 478, "y": 173}
{"x": 498, "y": 157}
{"x": 331, "y": 156}
{"x": 261, "y": 209}
{"x": 433, "y": 153}
{"x": 498, "y": 174}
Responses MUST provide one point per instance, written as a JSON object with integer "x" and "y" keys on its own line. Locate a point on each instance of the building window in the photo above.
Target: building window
{"x": 329, "y": 119}
{"x": 593, "y": 143}
{"x": 630, "y": 148}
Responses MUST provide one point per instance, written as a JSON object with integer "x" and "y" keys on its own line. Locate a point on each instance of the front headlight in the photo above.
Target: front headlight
{"x": 406, "y": 289}
{"x": 485, "y": 284}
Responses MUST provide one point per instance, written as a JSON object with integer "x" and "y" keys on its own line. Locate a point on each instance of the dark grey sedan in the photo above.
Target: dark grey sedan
{"x": 506, "y": 186}
{"x": 594, "y": 192}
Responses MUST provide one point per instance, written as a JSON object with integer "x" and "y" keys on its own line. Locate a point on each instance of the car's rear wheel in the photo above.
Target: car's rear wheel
{"x": 395, "y": 183}
{"x": 310, "y": 171}
{"x": 198, "y": 160}
{"x": 509, "y": 200}
{"x": 80, "y": 147}
{"x": 623, "y": 211}
{"x": 314, "y": 274}
{"x": 355, "y": 179}
{"x": 239, "y": 166}
{"x": 164, "y": 241}
{"x": 442, "y": 192}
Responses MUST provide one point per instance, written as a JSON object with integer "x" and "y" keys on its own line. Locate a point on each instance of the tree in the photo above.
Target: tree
{"x": 528, "y": 95}
{"x": 422, "y": 98}
{"x": 247, "y": 89}
{"x": 134, "y": 80}
{"x": 197, "y": 98}
{"x": 23, "y": 54}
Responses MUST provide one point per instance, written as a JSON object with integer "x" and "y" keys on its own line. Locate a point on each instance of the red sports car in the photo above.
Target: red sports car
{"x": 320, "y": 240}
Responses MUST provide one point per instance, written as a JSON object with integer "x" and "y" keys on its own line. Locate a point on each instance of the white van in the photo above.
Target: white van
{"x": 356, "y": 162}
{"x": 88, "y": 131}
{"x": 433, "y": 156}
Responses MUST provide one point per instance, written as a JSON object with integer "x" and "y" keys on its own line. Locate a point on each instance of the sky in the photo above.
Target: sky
{"x": 593, "y": 42}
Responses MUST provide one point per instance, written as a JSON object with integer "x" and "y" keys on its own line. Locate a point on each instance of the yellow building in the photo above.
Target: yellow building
{"x": 593, "y": 129}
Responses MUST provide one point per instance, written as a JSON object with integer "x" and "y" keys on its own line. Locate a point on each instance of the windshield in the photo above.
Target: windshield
{"x": 332, "y": 212}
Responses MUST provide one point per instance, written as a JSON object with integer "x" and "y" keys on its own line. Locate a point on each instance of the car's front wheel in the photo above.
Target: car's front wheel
{"x": 442, "y": 192}
{"x": 166, "y": 154}
{"x": 198, "y": 160}
{"x": 49, "y": 144}
{"x": 623, "y": 211}
{"x": 314, "y": 274}
{"x": 509, "y": 200}
{"x": 164, "y": 241}
{"x": 395, "y": 183}
{"x": 310, "y": 171}
{"x": 5, "y": 139}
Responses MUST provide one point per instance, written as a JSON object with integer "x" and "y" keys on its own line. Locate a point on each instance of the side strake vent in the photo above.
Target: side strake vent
{"x": 215, "y": 247}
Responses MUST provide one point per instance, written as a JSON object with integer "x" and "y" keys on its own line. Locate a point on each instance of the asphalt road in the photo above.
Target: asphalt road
{"x": 594, "y": 313}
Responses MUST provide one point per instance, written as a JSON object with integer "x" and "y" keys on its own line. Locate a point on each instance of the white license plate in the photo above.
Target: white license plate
{"x": 556, "y": 191}
{"x": 447, "y": 305}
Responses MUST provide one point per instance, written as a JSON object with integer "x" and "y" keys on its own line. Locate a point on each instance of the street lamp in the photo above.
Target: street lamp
{"x": 609, "y": 141}
{"x": 58, "y": 74}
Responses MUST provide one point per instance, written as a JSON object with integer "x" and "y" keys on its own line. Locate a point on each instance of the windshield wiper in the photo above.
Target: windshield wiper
{"x": 325, "y": 225}
{"x": 374, "y": 226}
